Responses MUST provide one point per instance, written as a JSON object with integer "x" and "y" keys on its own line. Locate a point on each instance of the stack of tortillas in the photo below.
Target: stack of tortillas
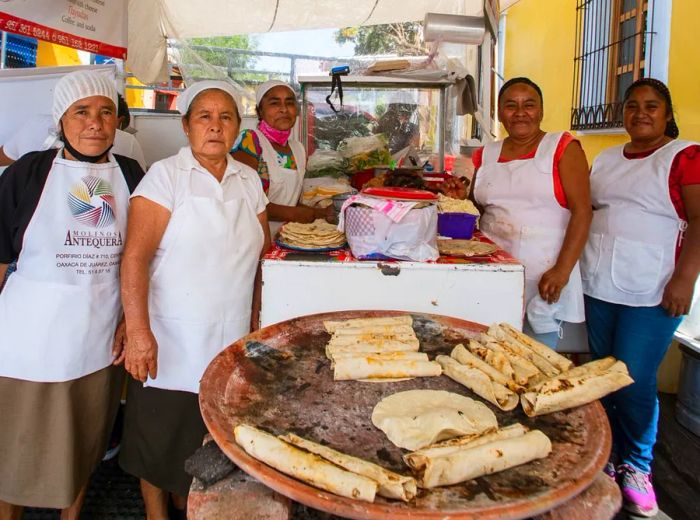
{"x": 505, "y": 363}
{"x": 377, "y": 349}
{"x": 465, "y": 248}
{"x": 316, "y": 235}
{"x": 324, "y": 467}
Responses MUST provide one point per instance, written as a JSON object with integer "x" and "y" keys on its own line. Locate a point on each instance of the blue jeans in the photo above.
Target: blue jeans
{"x": 639, "y": 336}
{"x": 551, "y": 339}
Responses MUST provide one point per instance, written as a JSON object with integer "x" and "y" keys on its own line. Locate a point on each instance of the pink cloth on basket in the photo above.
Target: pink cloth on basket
{"x": 394, "y": 209}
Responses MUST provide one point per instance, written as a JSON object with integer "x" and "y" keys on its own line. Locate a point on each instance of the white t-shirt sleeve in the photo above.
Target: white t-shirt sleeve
{"x": 158, "y": 185}
{"x": 262, "y": 200}
{"x": 30, "y": 137}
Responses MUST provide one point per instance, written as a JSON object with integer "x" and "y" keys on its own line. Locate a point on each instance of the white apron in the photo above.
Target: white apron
{"x": 200, "y": 294}
{"x": 285, "y": 183}
{"x": 630, "y": 254}
{"x": 522, "y": 216}
{"x": 59, "y": 310}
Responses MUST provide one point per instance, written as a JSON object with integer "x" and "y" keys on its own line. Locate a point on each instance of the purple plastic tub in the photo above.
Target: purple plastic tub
{"x": 456, "y": 225}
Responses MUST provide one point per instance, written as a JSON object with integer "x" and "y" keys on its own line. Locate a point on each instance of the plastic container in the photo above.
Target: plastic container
{"x": 456, "y": 225}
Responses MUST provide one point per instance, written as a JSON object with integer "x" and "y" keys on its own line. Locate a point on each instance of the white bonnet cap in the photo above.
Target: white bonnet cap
{"x": 80, "y": 85}
{"x": 264, "y": 88}
{"x": 184, "y": 100}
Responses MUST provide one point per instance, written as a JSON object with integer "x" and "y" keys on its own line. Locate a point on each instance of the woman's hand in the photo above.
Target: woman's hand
{"x": 118, "y": 351}
{"x": 141, "y": 358}
{"x": 678, "y": 296}
{"x": 455, "y": 188}
{"x": 552, "y": 282}
{"x": 327, "y": 213}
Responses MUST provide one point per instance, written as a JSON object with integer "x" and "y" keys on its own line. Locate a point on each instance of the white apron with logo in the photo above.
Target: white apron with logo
{"x": 285, "y": 183}
{"x": 630, "y": 254}
{"x": 200, "y": 294}
{"x": 59, "y": 310}
{"x": 522, "y": 216}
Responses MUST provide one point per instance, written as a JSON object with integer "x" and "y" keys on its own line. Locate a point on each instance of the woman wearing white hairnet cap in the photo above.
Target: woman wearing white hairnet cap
{"x": 63, "y": 220}
{"x": 197, "y": 229}
{"x": 279, "y": 159}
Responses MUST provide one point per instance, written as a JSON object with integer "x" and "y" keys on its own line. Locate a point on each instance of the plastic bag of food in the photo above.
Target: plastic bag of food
{"x": 372, "y": 234}
{"x": 326, "y": 163}
{"x": 365, "y": 152}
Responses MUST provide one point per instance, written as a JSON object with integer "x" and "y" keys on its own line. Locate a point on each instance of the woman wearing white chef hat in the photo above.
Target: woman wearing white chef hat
{"x": 198, "y": 227}
{"x": 278, "y": 158}
{"x": 63, "y": 220}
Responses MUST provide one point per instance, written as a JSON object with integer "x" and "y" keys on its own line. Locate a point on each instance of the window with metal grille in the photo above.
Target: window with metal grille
{"x": 613, "y": 49}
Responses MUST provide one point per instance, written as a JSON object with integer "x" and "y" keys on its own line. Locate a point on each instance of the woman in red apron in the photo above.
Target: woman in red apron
{"x": 533, "y": 192}
{"x": 198, "y": 227}
{"x": 639, "y": 268}
{"x": 63, "y": 220}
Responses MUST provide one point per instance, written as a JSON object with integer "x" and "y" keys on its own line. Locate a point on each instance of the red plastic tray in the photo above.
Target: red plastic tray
{"x": 389, "y": 192}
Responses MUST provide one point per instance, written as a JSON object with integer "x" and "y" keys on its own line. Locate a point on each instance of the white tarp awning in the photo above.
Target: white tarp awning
{"x": 152, "y": 22}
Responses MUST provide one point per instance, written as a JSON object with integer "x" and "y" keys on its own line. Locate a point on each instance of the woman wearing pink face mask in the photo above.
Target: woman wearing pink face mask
{"x": 277, "y": 156}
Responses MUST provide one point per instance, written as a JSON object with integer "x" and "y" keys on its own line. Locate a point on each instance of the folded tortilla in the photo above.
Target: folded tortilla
{"x": 418, "y": 459}
{"x": 369, "y": 367}
{"x": 518, "y": 348}
{"x": 417, "y": 418}
{"x": 303, "y": 465}
{"x": 333, "y": 326}
{"x": 472, "y": 461}
{"x": 479, "y": 383}
{"x": 497, "y": 360}
{"x": 562, "y": 393}
{"x": 391, "y": 485}
{"x": 522, "y": 367}
{"x": 551, "y": 355}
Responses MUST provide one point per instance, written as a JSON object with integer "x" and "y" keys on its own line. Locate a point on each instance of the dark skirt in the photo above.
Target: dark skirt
{"x": 53, "y": 436}
{"x": 162, "y": 428}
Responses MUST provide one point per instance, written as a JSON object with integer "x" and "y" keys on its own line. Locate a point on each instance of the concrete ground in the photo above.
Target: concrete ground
{"x": 114, "y": 495}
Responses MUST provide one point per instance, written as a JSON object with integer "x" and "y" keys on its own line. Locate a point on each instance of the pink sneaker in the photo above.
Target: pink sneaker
{"x": 637, "y": 492}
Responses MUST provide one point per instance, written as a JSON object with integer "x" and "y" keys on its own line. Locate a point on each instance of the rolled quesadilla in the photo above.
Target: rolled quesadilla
{"x": 465, "y": 357}
{"x": 368, "y": 348}
{"x": 384, "y": 356}
{"x": 417, "y": 418}
{"x": 522, "y": 367}
{"x": 417, "y": 460}
{"x": 556, "y": 359}
{"x": 479, "y": 383}
{"x": 377, "y": 330}
{"x": 332, "y": 326}
{"x": 371, "y": 367}
{"x": 302, "y": 465}
{"x": 518, "y": 348}
{"x": 381, "y": 340}
{"x": 496, "y": 359}
{"x": 562, "y": 392}
{"x": 470, "y": 462}
{"x": 391, "y": 485}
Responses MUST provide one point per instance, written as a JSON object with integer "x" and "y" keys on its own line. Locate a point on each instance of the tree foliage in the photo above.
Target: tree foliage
{"x": 213, "y": 55}
{"x": 401, "y": 39}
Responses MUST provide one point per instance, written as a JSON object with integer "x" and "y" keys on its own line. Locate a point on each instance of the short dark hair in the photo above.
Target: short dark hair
{"x": 661, "y": 88}
{"x": 523, "y": 80}
{"x": 123, "y": 110}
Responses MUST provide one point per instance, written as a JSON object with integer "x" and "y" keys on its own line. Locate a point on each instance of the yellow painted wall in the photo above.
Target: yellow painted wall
{"x": 540, "y": 44}
{"x": 53, "y": 55}
{"x": 684, "y": 67}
